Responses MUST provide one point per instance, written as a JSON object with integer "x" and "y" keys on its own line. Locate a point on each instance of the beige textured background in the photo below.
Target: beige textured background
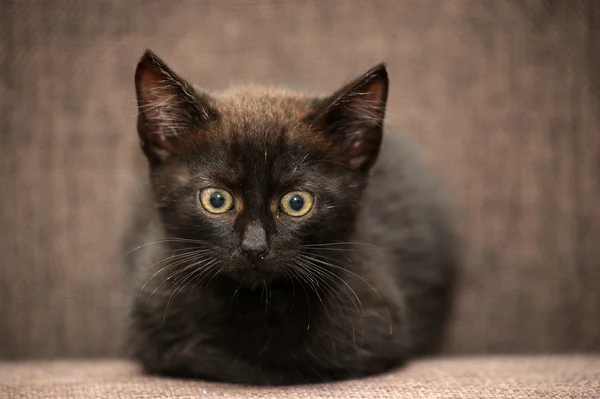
{"x": 503, "y": 96}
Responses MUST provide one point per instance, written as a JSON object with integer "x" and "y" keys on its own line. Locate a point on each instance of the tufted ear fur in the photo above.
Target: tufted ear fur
{"x": 354, "y": 117}
{"x": 168, "y": 108}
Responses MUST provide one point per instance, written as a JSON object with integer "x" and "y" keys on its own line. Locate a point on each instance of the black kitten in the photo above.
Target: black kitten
{"x": 273, "y": 248}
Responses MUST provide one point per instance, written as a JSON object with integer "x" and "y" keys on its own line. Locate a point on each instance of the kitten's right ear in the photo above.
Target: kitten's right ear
{"x": 168, "y": 108}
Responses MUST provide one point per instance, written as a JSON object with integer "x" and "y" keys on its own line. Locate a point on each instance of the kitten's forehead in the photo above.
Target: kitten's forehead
{"x": 267, "y": 118}
{"x": 265, "y": 107}
{"x": 262, "y": 133}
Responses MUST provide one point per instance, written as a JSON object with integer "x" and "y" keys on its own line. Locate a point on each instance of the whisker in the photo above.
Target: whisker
{"x": 186, "y": 253}
{"x": 331, "y": 285}
{"x": 199, "y": 277}
{"x": 235, "y": 295}
{"x": 165, "y": 240}
{"x": 292, "y": 280}
{"x": 329, "y": 264}
{"x": 309, "y": 281}
{"x": 342, "y": 243}
{"x": 180, "y": 287}
{"x": 174, "y": 274}
{"x": 321, "y": 273}
{"x": 181, "y": 258}
{"x": 293, "y": 272}
{"x": 351, "y": 293}
{"x": 304, "y": 268}
{"x": 219, "y": 270}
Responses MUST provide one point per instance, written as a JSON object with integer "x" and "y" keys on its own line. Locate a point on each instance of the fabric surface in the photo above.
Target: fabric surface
{"x": 503, "y": 97}
{"x": 500, "y": 377}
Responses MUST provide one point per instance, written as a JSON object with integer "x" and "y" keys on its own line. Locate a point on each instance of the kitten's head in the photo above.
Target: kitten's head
{"x": 253, "y": 179}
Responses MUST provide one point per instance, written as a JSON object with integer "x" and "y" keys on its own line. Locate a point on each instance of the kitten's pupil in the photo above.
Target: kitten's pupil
{"x": 296, "y": 202}
{"x": 217, "y": 199}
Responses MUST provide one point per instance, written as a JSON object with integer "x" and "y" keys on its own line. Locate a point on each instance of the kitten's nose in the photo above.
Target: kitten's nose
{"x": 254, "y": 243}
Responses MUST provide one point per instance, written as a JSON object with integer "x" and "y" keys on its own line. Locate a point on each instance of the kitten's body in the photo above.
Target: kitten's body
{"x": 354, "y": 288}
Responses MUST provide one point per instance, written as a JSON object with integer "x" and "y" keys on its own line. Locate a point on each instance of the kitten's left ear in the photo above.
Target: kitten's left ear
{"x": 354, "y": 116}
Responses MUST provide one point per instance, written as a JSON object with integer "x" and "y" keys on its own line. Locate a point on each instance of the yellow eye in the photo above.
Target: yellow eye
{"x": 216, "y": 200}
{"x": 296, "y": 203}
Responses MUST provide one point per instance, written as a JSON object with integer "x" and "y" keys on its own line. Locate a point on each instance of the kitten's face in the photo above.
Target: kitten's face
{"x": 256, "y": 181}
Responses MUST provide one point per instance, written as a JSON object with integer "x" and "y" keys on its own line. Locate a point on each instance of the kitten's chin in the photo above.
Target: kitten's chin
{"x": 249, "y": 274}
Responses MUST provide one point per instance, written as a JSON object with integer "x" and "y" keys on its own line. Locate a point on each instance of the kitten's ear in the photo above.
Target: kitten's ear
{"x": 354, "y": 116}
{"x": 168, "y": 108}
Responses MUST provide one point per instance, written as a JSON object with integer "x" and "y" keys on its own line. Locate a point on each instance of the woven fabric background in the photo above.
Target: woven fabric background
{"x": 503, "y": 97}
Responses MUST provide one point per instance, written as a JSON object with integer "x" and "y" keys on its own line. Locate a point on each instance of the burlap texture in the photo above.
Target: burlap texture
{"x": 503, "y": 96}
{"x": 490, "y": 378}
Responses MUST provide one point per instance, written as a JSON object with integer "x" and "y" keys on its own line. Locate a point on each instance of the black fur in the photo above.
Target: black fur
{"x": 355, "y": 287}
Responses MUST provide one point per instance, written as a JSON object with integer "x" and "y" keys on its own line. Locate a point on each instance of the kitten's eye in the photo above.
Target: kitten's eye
{"x": 296, "y": 203}
{"x": 216, "y": 200}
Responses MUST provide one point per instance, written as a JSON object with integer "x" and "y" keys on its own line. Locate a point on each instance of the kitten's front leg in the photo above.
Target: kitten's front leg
{"x": 208, "y": 362}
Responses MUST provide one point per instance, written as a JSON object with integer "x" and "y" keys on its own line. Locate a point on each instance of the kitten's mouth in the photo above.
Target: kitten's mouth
{"x": 254, "y": 271}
